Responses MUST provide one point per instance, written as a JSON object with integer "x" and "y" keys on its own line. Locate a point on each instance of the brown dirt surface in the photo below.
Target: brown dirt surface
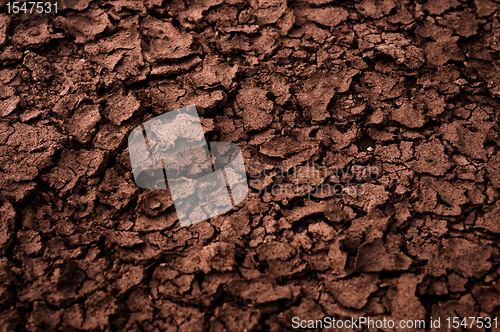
{"x": 409, "y": 88}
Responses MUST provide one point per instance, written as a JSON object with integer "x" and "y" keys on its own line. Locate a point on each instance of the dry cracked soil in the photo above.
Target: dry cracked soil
{"x": 408, "y": 88}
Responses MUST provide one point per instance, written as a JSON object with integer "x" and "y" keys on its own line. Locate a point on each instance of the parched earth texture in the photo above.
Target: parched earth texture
{"x": 407, "y": 88}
